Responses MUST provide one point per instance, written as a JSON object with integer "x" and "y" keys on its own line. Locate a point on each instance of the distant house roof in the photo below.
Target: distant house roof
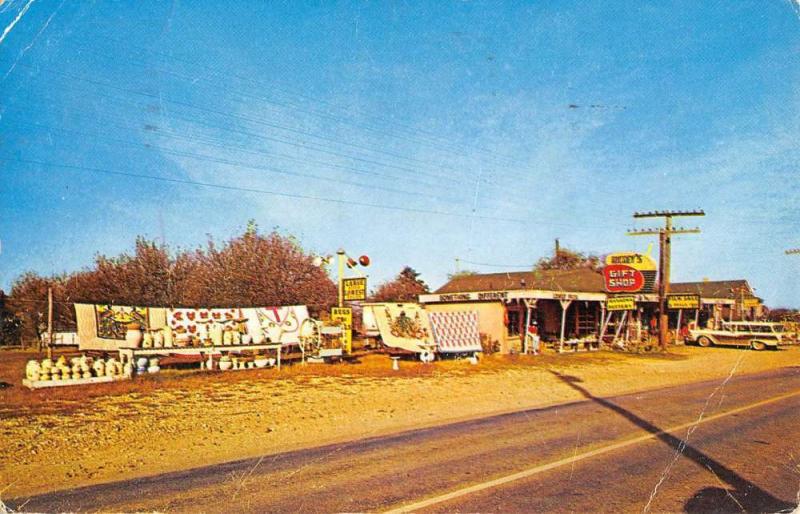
{"x": 731, "y": 289}
{"x": 582, "y": 280}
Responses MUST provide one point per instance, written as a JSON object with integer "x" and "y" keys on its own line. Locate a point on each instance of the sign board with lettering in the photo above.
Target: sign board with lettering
{"x": 629, "y": 272}
{"x": 354, "y": 288}
{"x": 749, "y": 303}
{"x": 683, "y": 301}
{"x": 345, "y": 316}
{"x": 621, "y": 303}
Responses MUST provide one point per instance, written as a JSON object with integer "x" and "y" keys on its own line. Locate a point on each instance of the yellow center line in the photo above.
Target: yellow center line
{"x": 578, "y": 457}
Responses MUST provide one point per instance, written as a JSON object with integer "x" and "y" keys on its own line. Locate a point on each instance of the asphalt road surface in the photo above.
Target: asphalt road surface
{"x": 717, "y": 446}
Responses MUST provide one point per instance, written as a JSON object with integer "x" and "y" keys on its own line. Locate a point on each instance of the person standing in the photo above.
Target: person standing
{"x": 533, "y": 337}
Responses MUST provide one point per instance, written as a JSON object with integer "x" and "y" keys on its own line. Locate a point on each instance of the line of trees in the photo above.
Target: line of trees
{"x": 246, "y": 270}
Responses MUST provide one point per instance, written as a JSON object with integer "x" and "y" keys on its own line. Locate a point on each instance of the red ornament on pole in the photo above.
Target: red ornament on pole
{"x": 363, "y": 260}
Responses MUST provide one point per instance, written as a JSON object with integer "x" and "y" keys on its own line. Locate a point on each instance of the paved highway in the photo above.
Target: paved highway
{"x": 725, "y": 446}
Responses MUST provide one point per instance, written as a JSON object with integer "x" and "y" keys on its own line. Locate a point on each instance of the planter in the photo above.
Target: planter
{"x": 133, "y": 338}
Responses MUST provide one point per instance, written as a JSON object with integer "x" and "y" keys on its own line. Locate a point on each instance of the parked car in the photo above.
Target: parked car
{"x": 754, "y": 334}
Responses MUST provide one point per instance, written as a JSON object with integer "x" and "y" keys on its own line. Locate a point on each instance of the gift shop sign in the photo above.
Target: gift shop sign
{"x": 629, "y": 272}
{"x": 621, "y": 278}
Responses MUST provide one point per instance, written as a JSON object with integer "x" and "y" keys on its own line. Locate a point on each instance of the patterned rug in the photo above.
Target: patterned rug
{"x": 403, "y": 325}
{"x": 456, "y": 332}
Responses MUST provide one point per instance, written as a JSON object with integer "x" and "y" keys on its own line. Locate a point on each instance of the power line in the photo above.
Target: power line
{"x": 249, "y": 119}
{"x": 254, "y": 190}
{"x": 313, "y": 146}
{"x": 261, "y": 85}
{"x": 211, "y": 159}
{"x": 492, "y": 265}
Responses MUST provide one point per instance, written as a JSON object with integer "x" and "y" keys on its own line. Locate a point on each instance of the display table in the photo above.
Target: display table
{"x": 39, "y": 384}
{"x": 133, "y": 353}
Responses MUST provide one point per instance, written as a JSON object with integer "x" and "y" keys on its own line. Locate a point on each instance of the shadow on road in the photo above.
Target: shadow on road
{"x": 744, "y": 495}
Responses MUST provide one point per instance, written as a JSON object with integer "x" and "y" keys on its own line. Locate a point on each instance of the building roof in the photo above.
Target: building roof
{"x": 731, "y": 289}
{"x": 582, "y": 280}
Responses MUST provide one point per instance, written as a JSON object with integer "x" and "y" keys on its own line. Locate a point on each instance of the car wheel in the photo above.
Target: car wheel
{"x": 758, "y": 345}
{"x": 704, "y": 341}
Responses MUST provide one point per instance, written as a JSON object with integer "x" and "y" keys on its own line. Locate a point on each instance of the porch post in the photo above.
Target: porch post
{"x": 564, "y": 306}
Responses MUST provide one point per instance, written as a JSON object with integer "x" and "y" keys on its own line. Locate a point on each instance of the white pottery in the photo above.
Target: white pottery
{"x": 147, "y": 339}
{"x": 133, "y": 338}
{"x": 215, "y": 330}
{"x": 99, "y": 367}
{"x": 227, "y": 337}
{"x": 153, "y": 361}
{"x": 258, "y": 337}
{"x": 247, "y": 339}
{"x": 261, "y": 363}
{"x": 31, "y": 368}
{"x": 87, "y": 374}
{"x": 225, "y": 364}
{"x": 47, "y": 364}
{"x": 141, "y": 364}
{"x": 251, "y": 365}
{"x": 34, "y": 376}
{"x": 168, "y": 340}
{"x": 271, "y": 362}
{"x": 158, "y": 339}
{"x": 153, "y": 369}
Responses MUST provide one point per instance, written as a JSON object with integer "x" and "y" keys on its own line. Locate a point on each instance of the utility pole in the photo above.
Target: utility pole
{"x": 50, "y": 323}
{"x": 664, "y": 257}
{"x": 558, "y": 249}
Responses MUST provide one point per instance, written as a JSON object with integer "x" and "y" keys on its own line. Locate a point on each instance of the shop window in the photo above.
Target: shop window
{"x": 513, "y": 322}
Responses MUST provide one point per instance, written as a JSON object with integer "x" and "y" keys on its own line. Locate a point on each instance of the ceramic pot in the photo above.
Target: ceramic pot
{"x": 247, "y": 339}
{"x": 225, "y": 364}
{"x": 99, "y": 368}
{"x": 47, "y": 364}
{"x": 258, "y": 337}
{"x": 153, "y": 369}
{"x": 31, "y": 368}
{"x": 87, "y": 374}
{"x": 133, "y": 338}
{"x": 227, "y": 338}
{"x": 34, "y": 376}
{"x": 261, "y": 363}
{"x": 141, "y": 364}
{"x": 158, "y": 339}
{"x": 147, "y": 339}
{"x": 215, "y": 331}
{"x": 168, "y": 338}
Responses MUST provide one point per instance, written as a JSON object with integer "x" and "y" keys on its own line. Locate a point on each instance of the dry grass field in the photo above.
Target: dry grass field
{"x": 66, "y": 437}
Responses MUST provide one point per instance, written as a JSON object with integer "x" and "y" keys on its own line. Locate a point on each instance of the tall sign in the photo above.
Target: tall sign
{"x": 629, "y": 272}
{"x": 344, "y": 315}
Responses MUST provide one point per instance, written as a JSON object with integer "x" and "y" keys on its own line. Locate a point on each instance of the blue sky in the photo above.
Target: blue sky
{"x": 471, "y": 130}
